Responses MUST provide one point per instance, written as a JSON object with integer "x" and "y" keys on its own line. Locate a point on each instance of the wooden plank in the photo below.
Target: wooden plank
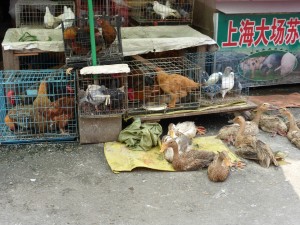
{"x": 249, "y": 106}
{"x": 10, "y": 61}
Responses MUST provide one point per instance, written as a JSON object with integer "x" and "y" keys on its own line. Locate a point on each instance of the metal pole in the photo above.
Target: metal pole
{"x": 92, "y": 31}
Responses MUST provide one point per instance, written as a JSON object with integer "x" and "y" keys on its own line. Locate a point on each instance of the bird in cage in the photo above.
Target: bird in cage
{"x": 60, "y": 112}
{"x": 213, "y": 78}
{"x": 109, "y": 32}
{"x": 164, "y": 10}
{"x": 94, "y": 95}
{"x": 227, "y": 81}
{"x": 78, "y": 40}
{"x": 176, "y": 85}
{"x": 48, "y": 19}
{"x": 67, "y": 18}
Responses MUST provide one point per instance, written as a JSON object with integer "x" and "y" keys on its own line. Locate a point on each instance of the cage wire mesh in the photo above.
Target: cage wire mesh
{"x": 106, "y": 98}
{"x": 44, "y": 60}
{"x": 30, "y": 13}
{"x": 161, "y": 12}
{"x": 220, "y": 78}
{"x": 105, "y": 7}
{"x": 151, "y": 90}
{"x": 37, "y": 106}
{"x": 108, "y": 42}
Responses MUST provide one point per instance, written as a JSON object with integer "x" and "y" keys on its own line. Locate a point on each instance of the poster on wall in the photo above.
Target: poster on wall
{"x": 266, "y": 47}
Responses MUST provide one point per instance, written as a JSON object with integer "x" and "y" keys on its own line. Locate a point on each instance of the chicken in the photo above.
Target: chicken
{"x": 67, "y": 18}
{"x": 164, "y": 10}
{"x": 109, "y": 33}
{"x": 42, "y": 99}
{"x": 49, "y": 19}
{"x": 176, "y": 85}
{"x": 116, "y": 96}
{"x": 60, "y": 112}
{"x": 94, "y": 95}
{"x": 78, "y": 39}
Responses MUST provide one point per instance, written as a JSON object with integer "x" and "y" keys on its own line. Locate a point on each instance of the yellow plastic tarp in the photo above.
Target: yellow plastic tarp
{"x": 120, "y": 158}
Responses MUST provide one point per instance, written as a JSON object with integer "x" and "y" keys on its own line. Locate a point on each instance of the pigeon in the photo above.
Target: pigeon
{"x": 67, "y": 18}
{"x": 48, "y": 19}
{"x": 164, "y": 11}
{"x": 213, "y": 79}
{"x": 227, "y": 81}
{"x": 212, "y": 90}
{"x": 94, "y": 94}
{"x": 237, "y": 87}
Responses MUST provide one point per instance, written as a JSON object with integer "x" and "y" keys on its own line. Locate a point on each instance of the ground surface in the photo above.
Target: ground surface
{"x": 73, "y": 184}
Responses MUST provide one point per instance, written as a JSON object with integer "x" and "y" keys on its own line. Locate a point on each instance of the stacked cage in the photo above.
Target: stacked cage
{"x": 41, "y": 60}
{"x": 77, "y": 41}
{"x": 221, "y": 80}
{"x": 161, "y": 12}
{"x": 101, "y": 95}
{"x": 105, "y": 7}
{"x": 37, "y": 106}
{"x": 30, "y": 13}
{"x": 164, "y": 84}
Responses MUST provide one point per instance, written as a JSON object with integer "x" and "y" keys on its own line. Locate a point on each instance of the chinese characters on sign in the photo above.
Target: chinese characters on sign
{"x": 281, "y": 31}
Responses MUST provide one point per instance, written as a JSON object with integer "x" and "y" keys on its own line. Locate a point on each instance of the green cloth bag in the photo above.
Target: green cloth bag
{"x": 141, "y": 136}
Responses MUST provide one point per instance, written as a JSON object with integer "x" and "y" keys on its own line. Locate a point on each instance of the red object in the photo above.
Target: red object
{"x": 9, "y": 95}
{"x": 69, "y": 89}
{"x": 155, "y": 23}
{"x": 130, "y": 94}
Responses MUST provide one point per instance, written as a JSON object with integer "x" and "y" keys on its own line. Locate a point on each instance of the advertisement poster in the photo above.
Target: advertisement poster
{"x": 264, "y": 47}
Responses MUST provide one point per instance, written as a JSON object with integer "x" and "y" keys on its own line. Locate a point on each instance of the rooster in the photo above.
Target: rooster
{"x": 60, "y": 112}
{"x": 176, "y": 85}
{"x": 109, "y": 33}
{"x": 78, "y": 39}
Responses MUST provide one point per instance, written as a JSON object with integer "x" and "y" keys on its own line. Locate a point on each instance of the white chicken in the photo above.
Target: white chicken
{"x": 227, "y": 81}
{"x": 67, "y": 18}
{"x": 164, "y": 11}
{"x": 48, "y": 19}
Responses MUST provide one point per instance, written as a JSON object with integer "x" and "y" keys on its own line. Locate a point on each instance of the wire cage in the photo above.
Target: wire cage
{"x": 161, "y": 12}
{"x": 220, "y": 78}
{"x": 108, "y": 42}
{"x": 101, "y": 95}
{"x": 37, "y": 106}
{"x": 163, "y": 84}
{"x": 43, "y": 60}
{"x": 30, "y": 13}
{"x": 105, "y": 7}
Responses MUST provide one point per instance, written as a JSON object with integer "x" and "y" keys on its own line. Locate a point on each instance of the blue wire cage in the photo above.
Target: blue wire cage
{"x": 37, "y": 106}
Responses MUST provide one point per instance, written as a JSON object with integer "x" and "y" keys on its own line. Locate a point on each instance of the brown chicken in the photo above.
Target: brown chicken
{"x": 109, "y": 33}
{"x": 78, "y": 39}
{"x": 10, "y": 122}
{"x": 177, "y": 86}
{"x": 60, "y": 112}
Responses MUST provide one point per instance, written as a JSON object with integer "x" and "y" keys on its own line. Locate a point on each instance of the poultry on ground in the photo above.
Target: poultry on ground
{"x": 177, "y": 86}
{"x": 249, "y": 147}
{"x": 228, "y": 132}
{"x": 184, "y": 145}
{"x": 219, "y": 169}
{"x": 294, "y": 131}
{"x": 191, "y": 160}
{"x": 273, "y": 124}
{"x": 187, "y": 128}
